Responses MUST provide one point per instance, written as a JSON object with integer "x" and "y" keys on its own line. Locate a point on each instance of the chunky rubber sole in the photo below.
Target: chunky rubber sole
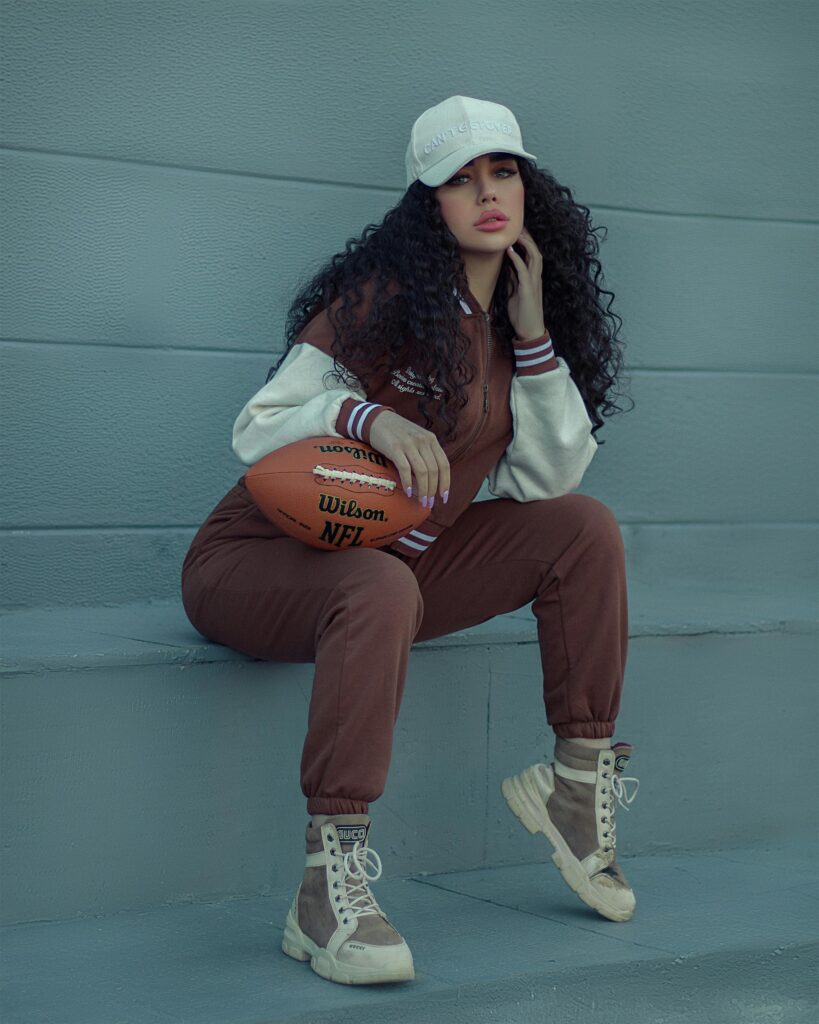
{"x": 522, "y": 794}
{"x": 301, "y": 947}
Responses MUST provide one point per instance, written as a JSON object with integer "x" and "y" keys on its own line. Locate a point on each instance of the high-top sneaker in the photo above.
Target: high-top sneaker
{"x": 570, "y": 802}
{"x": 334, "y": 920}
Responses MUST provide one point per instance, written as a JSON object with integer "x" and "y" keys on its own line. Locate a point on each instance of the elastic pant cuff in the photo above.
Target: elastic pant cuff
{"x": 586, "y": 730}
{"x": 336, "y": 805}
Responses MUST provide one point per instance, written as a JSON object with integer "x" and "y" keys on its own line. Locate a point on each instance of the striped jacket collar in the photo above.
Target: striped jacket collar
{"x": 469, "y": 304}
{"x": 464, "y": 304}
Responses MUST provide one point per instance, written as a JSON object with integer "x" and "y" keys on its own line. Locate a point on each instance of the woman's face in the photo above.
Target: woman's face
{"x": 489, "y": 182}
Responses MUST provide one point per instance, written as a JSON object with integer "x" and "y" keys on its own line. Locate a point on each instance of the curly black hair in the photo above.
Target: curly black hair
{"x": 418, "y": 323}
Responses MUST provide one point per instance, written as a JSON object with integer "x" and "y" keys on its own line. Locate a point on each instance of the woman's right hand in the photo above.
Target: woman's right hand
{"x": 415, "y": 452}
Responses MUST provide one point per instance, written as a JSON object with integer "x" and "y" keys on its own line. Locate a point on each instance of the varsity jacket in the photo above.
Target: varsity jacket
{"x": 525, "y": 429}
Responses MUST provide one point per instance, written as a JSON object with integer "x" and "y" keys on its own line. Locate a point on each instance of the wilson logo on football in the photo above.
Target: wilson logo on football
{"x": 368, "y": 454}
{"x": 339, "y": 507}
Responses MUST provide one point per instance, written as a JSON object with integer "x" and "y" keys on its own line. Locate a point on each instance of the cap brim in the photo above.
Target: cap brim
{"x": 446, "y": 167}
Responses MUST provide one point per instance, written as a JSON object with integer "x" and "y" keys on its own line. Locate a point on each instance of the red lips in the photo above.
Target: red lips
{"x": 490, "y": 215}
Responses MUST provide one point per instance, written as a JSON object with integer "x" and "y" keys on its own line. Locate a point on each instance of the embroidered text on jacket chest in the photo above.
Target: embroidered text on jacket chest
{"x": 409, "y": 381}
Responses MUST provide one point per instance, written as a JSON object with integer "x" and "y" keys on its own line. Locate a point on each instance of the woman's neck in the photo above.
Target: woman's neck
{"x": 482, "y": 271}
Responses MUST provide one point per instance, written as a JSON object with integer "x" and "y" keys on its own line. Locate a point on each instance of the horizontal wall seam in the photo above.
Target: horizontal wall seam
{"x": 194, "y": 169}
{"x": 118, "y": 345}
{"x": 767, "y": 371}
{"x": 359, "y": 186}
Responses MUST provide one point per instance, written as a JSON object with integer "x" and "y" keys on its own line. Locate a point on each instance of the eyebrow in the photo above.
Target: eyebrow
{"x": 493, "y": 157}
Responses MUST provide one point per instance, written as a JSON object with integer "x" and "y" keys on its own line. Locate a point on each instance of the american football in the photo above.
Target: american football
{"x": 333, "y": 493}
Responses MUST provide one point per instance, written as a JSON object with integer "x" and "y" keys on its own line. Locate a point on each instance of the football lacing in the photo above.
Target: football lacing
{"x": 350, "y": 476}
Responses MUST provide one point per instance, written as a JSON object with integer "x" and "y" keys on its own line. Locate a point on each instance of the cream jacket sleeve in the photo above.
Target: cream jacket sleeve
{"x": 552, "y": 443}
{"x": 296, "y": 404}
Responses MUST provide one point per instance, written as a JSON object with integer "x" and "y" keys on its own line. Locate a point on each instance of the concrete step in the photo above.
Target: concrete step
{"x": 720, "y": 938}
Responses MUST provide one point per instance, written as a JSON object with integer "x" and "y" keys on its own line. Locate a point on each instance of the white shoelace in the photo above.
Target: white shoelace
{"x": 360, "y": 900}
{"x": 623, "y": 798}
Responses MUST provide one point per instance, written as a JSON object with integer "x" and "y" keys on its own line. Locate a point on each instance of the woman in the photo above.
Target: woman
{"x": 434, "y": 325}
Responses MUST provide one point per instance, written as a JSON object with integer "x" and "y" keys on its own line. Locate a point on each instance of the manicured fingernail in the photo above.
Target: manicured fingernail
{"x": 446, "y": 497}
{"x": 409, "y": 492}
{"x": 424, "y": 501}
{"x": 432, "y": 501}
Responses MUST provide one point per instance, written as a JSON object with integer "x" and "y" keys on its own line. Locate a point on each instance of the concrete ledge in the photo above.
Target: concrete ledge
{"x": 143, "y": 765}
{"x": 727, "y": 936}
{"x": 156, "y": 633}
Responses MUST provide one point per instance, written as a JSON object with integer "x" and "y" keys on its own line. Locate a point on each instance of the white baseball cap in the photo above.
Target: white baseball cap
{"x": 455, "y": 131}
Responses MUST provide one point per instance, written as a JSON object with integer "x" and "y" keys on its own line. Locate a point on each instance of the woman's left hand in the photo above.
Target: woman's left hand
{"x": 525, "y": 301}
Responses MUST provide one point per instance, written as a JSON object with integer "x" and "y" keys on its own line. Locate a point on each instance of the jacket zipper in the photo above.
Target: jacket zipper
{"x": 488, "y": 357}
{"x": 485, "y": 389}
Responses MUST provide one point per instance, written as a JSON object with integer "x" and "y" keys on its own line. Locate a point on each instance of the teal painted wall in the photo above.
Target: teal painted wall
{"x": 171, "y": 170}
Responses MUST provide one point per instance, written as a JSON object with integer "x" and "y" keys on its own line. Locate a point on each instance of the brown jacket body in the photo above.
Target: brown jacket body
{"x": 525, "y": 428}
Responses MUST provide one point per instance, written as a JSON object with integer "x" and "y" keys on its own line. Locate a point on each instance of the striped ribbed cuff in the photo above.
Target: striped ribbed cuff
{"x": 355, "y": 418}
{"x": 417, "y": 541}
{"x": 534, "y": 356}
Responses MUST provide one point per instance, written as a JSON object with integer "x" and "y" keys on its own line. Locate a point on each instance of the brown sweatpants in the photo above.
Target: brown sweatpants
{"x": 357, "y": 611}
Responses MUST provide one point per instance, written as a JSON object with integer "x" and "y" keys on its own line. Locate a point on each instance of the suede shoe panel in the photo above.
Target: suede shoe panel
{"x": 376, "y": 930}
{"x": 571, "y": 808}
{"x": 316, "y": 917}
{"x": 572, "y": 805}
